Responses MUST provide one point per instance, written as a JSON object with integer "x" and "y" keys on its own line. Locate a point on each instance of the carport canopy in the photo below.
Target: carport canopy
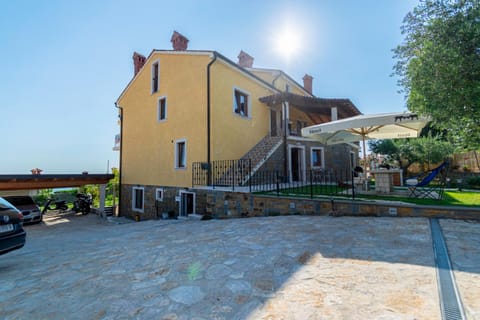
{"x": 50, "y": 181}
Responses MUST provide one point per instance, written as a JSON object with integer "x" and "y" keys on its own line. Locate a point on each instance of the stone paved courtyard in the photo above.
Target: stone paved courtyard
{"x": 291, "y": 267}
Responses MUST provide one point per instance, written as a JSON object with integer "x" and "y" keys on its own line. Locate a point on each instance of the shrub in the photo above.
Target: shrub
{"x": 473, "y": 182}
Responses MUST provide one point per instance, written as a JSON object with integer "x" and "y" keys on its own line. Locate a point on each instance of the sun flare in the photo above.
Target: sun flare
{"x": 287, "y": 42}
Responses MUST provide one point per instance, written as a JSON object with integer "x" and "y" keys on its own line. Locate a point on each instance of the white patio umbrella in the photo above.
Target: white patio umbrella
{"x": 365, "y": 127}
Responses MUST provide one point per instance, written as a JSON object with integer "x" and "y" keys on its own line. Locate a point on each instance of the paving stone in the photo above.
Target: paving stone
{"x": 238, "y": 286}
{"x": 291, "y": 267}
{"x": 217, "y": 271}
{"x": 186, "y": 294}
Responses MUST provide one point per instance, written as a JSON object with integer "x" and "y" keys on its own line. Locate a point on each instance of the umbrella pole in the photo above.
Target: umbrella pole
{"x": 365, "y": 162}
{"x": 364, "y": 155}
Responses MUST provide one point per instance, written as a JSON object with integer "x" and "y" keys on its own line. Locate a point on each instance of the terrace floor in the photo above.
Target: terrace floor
{"x": 285, "y": 267}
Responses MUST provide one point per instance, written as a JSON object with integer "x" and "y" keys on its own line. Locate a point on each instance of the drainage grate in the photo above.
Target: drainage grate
{"x": 450, "y": 302}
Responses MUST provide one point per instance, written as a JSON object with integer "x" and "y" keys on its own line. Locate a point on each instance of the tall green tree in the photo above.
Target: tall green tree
{"x": 424, "y": 151}
{"x": 439, "y": 66}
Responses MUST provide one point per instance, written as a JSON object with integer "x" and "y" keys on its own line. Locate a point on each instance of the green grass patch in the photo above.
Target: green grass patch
{"x": 450, "y": 198}
{"x": 463, "y": 198}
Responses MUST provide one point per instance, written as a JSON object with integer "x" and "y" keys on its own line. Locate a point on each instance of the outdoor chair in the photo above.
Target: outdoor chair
{"x": 431, "y": 185}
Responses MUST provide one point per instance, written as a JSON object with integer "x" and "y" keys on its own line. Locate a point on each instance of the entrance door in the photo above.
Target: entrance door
{"x": 297, "y": 163}
{"x": 187, "y": 203}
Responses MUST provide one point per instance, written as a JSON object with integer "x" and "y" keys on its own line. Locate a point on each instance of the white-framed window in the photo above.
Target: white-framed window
{"x": 181, "y": 154}
{"x": 162, "y": 109}
{"x": 317, "y": 157}
{"x": 137, "y": 198}
{"x": 155, "y": 76}
{"x": 241, "y": 103}
{"x": 159, "y": 194}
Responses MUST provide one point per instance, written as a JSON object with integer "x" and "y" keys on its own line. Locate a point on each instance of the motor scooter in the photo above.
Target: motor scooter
{"x": 60, "y": 205}
{"x": 82, "y": 203}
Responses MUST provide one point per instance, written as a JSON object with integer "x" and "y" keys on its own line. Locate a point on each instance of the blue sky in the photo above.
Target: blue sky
{"x": 64, "y": 63}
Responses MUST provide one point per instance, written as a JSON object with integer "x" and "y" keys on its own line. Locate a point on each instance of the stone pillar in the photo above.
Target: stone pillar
{"x": 102, "y": 200}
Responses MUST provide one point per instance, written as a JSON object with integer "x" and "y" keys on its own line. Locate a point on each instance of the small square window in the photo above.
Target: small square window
{"x": 137, "y": 199}
{"x": 240, "y": 103}
{"x": 159, "y": 194}
{"x": 162, "y": 109}
{"x": 181, "y": 154}
{"x": 317, "y": 158}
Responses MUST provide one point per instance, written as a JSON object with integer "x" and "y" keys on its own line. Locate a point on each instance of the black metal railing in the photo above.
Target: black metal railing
{"x": 307, "y": 183}
{"x": 222, "y": 173}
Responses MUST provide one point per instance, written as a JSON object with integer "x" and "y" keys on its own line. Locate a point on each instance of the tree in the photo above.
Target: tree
{"x": 113, "y": 185}
{"x": 439, "y": 66}
{"x": 424, "y": 151}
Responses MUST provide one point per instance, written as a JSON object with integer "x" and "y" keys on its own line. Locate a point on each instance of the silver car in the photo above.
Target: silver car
{"x": 31, "y": 212}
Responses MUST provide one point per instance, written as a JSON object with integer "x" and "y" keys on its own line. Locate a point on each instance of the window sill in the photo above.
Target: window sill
{"x": 243, "y": 117}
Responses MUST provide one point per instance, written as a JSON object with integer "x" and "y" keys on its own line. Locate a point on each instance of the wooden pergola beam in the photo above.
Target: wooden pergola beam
{"x": 49, "y": 181}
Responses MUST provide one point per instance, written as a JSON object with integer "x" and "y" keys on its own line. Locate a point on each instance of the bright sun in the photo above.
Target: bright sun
{"x": 287, "y": 42}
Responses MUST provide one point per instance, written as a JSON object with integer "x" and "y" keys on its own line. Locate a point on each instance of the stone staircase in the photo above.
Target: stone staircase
{"x": 262, "y": 151}
{"x": 241, "y": 171}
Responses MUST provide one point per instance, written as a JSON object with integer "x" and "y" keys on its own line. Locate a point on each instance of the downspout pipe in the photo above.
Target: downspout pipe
{"x": 209, "y": 120}
{"x": 120, "y": 158}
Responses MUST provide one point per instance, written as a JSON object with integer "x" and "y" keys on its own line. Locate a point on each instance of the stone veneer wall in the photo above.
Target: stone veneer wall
{"x": 225, "y": 204}
{"x": 153, "y": 209}
{"x": 337, "y": 157}
{"x": 276, "y": 162}
{"x": 233, "y": 205}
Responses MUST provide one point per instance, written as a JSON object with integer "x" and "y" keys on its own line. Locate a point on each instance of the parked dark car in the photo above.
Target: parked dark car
{"x": 12, "y": 235}
{"x": 31, "y": 212}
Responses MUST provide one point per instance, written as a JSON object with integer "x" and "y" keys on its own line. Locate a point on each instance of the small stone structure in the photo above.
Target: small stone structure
{"x": 383, "y": 181}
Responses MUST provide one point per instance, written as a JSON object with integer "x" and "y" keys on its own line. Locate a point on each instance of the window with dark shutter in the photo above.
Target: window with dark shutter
{"x": 155, "y": 81}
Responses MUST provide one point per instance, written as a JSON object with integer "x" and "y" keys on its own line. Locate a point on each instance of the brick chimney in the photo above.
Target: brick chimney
{"x": 308, "y": 83}
{"x": 245, "y": 60}
{"x": 179, "y": 41}
{"x": 138, "y": 62}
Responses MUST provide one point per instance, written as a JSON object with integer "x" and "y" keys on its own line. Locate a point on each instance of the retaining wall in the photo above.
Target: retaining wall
{"x": 226, "y": 204}
{"x": 231, "y": 205}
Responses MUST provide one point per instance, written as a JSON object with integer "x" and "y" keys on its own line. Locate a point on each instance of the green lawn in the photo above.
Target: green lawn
{"x": 450, "y": 198}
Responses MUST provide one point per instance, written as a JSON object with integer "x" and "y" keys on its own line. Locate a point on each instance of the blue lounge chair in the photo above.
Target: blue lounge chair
{"x": 432, "y": 184}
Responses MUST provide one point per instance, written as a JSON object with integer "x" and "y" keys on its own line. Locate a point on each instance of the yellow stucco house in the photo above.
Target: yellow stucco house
{"x": 188, "y": 117}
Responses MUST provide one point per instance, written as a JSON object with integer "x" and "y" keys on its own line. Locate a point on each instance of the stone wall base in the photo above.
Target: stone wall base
{"x": 154, "y": 209}
{"x": 225, "y": 204}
